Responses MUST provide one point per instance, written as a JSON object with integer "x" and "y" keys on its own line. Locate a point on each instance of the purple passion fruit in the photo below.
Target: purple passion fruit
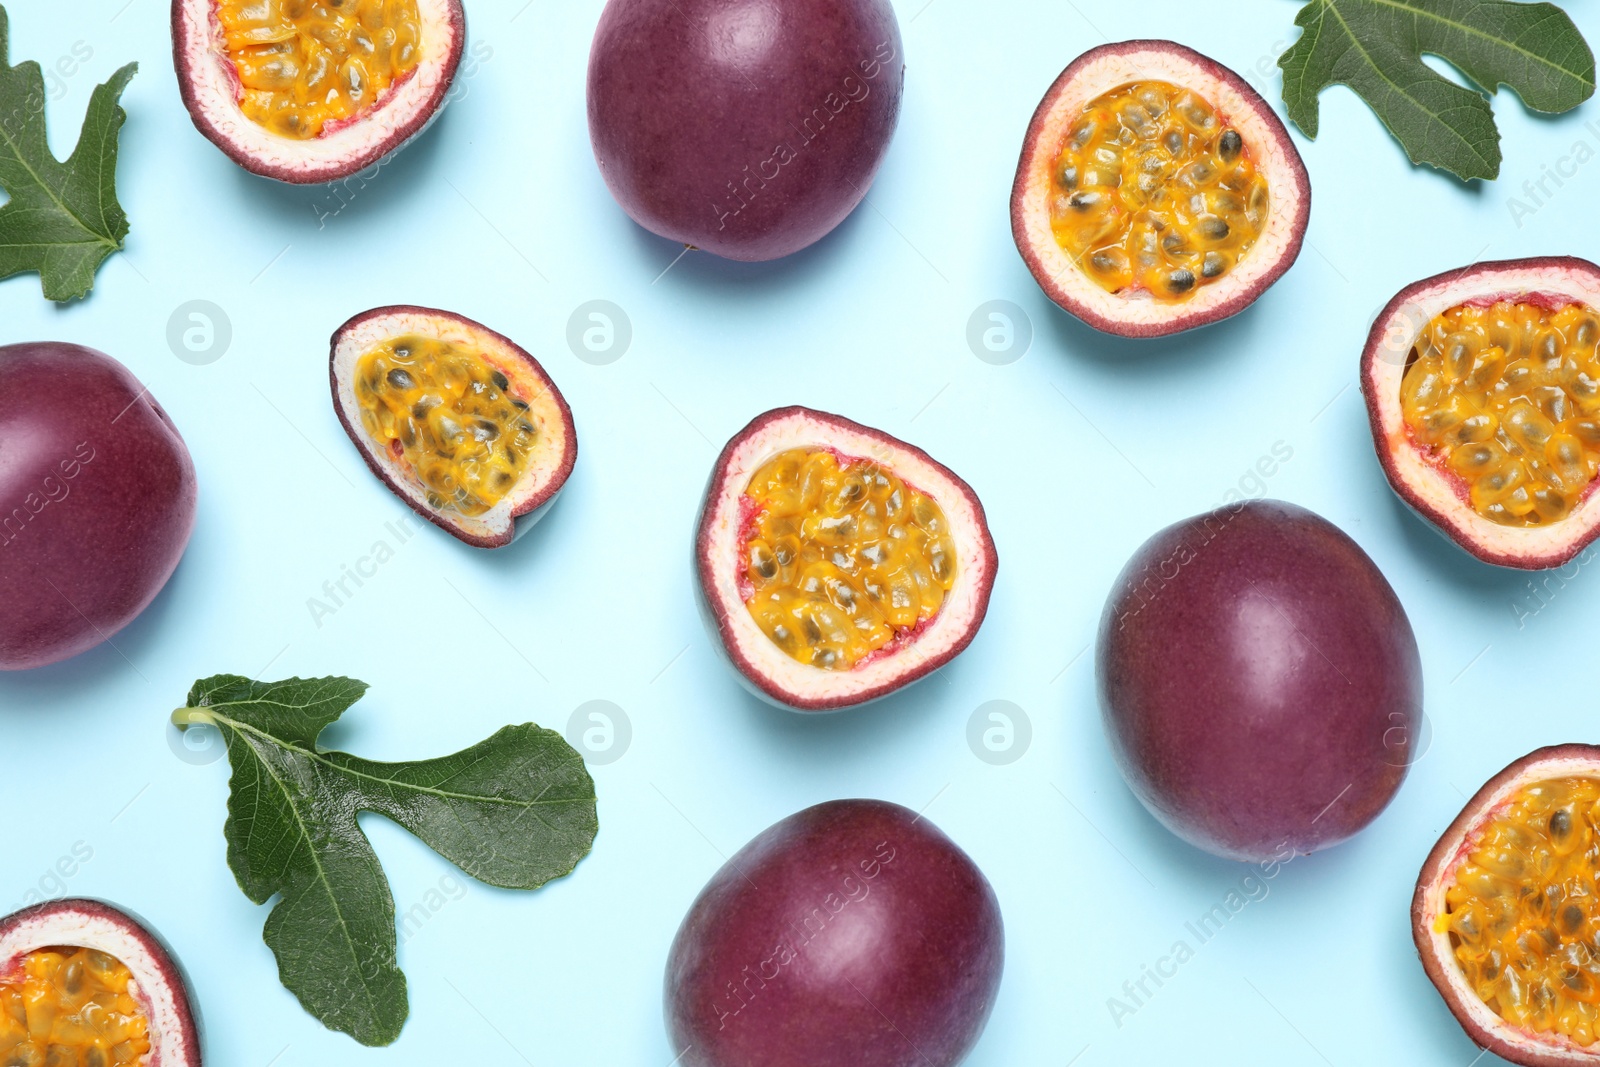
{"x": 309, "y": 91}
{"x": 461, "y": 423}
{"x": 83, "y": 984}
{"x": 97, "y": 501}
{"x": 1483, "y": 387}
{"x": 1505, "y": 915}
{"x": 836, "y": 563}
{"x": 1157, "y": 191}
{"x": 1259, "y": 682}
{"x": 852, "y": 934}
{"x": 747, "y": 128}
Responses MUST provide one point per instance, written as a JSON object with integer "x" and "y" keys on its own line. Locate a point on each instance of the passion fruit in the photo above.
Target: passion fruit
{"x": 1505, "y": 915}
{"x": 851, "y": 934}
{"x": 461, "y": 423}
{"x": 1157, "y": 191}
{"x": 97, "y": 501}
{"x": 83, "y": 983}
{"x": 1259, "y": 682}
{"x": 747, "y": 128}
{"x": 309, "y": 91}
{"x": 1483, "y": 388}
{"x": 836, "y": 563}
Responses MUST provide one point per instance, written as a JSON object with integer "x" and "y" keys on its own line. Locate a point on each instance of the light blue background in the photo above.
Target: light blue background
{"x": 1080, "y": 451}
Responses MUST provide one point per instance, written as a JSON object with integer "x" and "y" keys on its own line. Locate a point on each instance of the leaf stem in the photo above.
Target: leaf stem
{"x": 186, "y": 717}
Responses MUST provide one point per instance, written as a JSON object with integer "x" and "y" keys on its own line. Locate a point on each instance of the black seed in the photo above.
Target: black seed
{"x": 1571, "y": 917}
{"x": 1213, "y": 265}
{"x": 1174, "y": 142}
{"x": 485, "y": 430}
{"x": 500, "y": 380}
{"x": 420, "y": 409}
{"x": 1561, "y": 823}
{"x": 1069, "y": 177}
{"x": 401, "y": 380}
{"x": 525, "y": 427}
{"x": 1180, "y": 281}
{"x": 1084, "y": 201}
{"x": 1229, "y": 145}
{"x": 435, "y": 501}
{"x": 520, "y": 405}
{"x": 1173, "y": 243}
{"x": 1103, "y": 263}
{"x": 1213, "y": 228}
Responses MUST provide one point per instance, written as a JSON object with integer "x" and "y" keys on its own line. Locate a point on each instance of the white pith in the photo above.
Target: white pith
{"x": 151, "y": 988}
{"x": 215, "y": 85}
{"x": 1553, "y": 1047}
{"x": 1112, "y": 71}
{"x": 1438, "y": 487}
{"x": 724, "y": 545}
{"x": 550, "y": 449}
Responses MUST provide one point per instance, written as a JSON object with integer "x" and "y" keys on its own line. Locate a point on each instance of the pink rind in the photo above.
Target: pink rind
{"x": 717, "y": 616}
{"x": 1061, "y": 291}
{"x": 526, "y": 512}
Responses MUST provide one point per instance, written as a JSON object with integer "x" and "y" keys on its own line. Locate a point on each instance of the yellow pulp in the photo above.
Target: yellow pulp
{"x": 1508, "y": 397}
{"x": 70, "y": 1007}
{"x": 1153, "y": 192}
{"x": 1523, "y": 906}
{"x": 842, "y": 557}
{"x": 451, "y": 417}
{"x": 306, "y": 63}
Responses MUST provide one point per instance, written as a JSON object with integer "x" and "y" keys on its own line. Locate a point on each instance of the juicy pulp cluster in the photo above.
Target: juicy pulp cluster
{"x": 1154, "y": 192}
{"x": 1507, "y": 396}
{"x": 842, "y": 557}
{"x": 70, "y": 1007}
{"x": 1523, "y": 910}
{"x": 450, "y": 416}
{"x": 304, "y": 64}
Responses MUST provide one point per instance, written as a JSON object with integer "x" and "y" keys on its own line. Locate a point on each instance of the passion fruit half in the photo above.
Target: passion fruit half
{"x": 836, "y": 563}
{"x": 1157, "y": 191}
{"x": 1483, "y": 388}
{"x": 461, "y": 423}
{"x": 1505, "y": 915}
{"x": 84, "y": 984}
{"x": 309, "y": 91}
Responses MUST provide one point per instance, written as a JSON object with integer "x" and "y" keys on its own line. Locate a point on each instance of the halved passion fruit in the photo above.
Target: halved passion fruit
{"x": 1506, "y": 916}
{"x": 837, "y": 563}
{"x": 309, "y": 91}
{"x": 1157, "y": 191}
{"x": 83, "y": 984}
{"x": 463, "y": 425}
{"x": 1483, "y": 387}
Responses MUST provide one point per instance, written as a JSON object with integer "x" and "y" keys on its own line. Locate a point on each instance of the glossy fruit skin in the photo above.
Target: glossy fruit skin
{"x": 1259, "y": 682}
{"x": 97, "y": 501}
{"x": 851, "y": 934}
{"x": 747, "y": 128}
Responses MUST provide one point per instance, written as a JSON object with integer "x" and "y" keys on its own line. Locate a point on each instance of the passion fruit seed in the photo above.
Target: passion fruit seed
{"x": 1155, "y": 192}
{"x": 70, "y": 1007}
{"x": 453, "y": 419}
{"x": 306, "y": 63}
{"x": 842, "y": 557}
{"x": 1508, "y": 397}
{"x": 1523, "y": 913}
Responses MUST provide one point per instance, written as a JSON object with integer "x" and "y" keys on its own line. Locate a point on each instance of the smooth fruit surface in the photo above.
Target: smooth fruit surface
{"x": 1157, "y": 191}
{"x": 837, "y": 563}
{"x": 1259, "y": 681}
{"x": 1504, "y": 913}
{"x": 84, "y": 984}
{"x": 1483, "y": 392}
{"x": 851, "y": 934}
{"x": 747, "y": 128}
{"x": 97, "y": 501}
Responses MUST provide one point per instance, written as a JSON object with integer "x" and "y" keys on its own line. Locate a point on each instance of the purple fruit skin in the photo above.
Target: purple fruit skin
{"x": 97, "y": 501}
{"x": 1259, "y": 682}
{"x": 747, "y": 128}
{"x": 855, "y": 934}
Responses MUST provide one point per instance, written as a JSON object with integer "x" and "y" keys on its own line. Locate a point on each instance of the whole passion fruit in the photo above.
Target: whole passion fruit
{"x": 461, "y": 423}
{"x": 97, "y": 501}
{"x": 1505, "y": 915}
{"x": 1259, "y": 682}
{"x": 747, "y": 128}
{"x": 851, "y": 934}
{"x": 1157, "y": 191}
{"x": 1483, "y": 387}
{"x": 837, "y": 563}
{"x": 309, "y": 91}
{"x": 85, "y": 984}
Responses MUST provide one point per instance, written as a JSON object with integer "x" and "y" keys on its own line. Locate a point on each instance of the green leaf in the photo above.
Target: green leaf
{"x": 515, "y": 811}
{"x": 63, "y": 219}
{"x": 1375, "y": 47}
